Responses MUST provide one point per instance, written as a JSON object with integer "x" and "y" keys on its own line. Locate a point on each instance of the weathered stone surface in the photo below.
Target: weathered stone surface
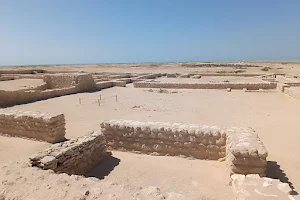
{"x": 254, "y": 187}
{"x": 240, "y": 86}
{"x": 75, "y": 156}
{"x": 196, "y": 76}
{"x": 37, "y": 125}
{"x": 55, "y": 85}
{"x": 245, "y": 153}
{"x": 203, "y": 142}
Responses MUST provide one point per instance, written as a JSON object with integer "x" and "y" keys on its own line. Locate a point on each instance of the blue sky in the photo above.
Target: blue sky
{"x": 120, "y": 31}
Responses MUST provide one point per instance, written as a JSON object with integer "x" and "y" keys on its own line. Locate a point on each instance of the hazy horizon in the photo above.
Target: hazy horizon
{"x": 61, "y": 32}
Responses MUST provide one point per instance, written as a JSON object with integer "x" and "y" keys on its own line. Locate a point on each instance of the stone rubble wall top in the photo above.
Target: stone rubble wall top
{"x": 254, "y": 187}
{"x": 30, "y": 114}
{"x": 244, "y": 142}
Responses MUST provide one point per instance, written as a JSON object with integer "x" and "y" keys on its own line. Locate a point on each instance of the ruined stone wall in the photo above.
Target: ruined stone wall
{"x": 83, "y": 82}
{"x": 6, "y": 78}
{"x": 127, "y": 80}
{"x": 104, "y": 84}
{"x": 287, "y": 80}
{"x": 149, "y": 76}
{"x": 9, "y": 98}
{"x": 244, "y": 152}
{"x": 22, "y": 71}
{"x": 249, "y": 86}
{"x": 40, "y": 126}
{"x": 254, "y": 187}
{"x": 55, "y": 86}
{"x": 292, "y": 92}
{"x": 202, "y": 142}
{"x": 119, "y": 83}
{"x": 75, "y": 156}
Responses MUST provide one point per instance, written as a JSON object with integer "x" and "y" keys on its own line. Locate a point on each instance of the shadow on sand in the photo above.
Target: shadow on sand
{"x": 104, "y": 168}
{"x": 274, "y": 171}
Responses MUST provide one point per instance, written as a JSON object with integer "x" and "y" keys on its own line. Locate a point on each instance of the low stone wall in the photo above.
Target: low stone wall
{"x": 245, "y": 153}
{"x": 83, "y": 82}
{"x": 10, "y": 98}
{"x": 119, "y": 83}
{"x": 59, "y": 85}
{"x": 22, "y": 71}
{"x": 254, "y": 187}
{"x": 6, "y": 78}
{"x": 149, "y": 76}
{"x": 249, "y": 86}
{"x": 104, "y": 84}
{"x": 202, "y": 142}
{"x": 127, "y": 80}
{"x": 75, "y": 156}
{"x": 292, "y": 92}
{"x": 40, "y": 126}
{"x": 172, "y": 75}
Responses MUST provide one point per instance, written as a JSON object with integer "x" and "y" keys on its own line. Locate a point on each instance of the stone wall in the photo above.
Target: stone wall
{"x": 22, "y": 71}
{"x": 83, "y": 82}
{"x": 244, "y": 152}
{"x": 10, "y": 98}
{"x": 56, "y": 85}
{"x": 149, "y": 76}
{"x": 104, "y": 84}
{"x": 119, "y": 83}
{"x": 292, "y": 92}
{"x": 249, "y": 86}
{"x": 203, "y": 142}
{"x": 75, "y": 156}
{"x": 6, "y": 78}
{"x": 127, "y": 80}
{"x": 254, "y": 187}
{"x": 40, "y": 126}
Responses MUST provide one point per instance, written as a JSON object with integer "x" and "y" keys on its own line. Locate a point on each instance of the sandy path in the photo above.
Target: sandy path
{"x": 19, "y": 149}
{"x": 191, "y": 178}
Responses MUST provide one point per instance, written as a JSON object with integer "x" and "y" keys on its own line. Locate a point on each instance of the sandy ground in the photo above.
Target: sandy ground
{"x": 273, "y": 115}
{"x": 191, "y": 178}
{"x": 19, "y": 84}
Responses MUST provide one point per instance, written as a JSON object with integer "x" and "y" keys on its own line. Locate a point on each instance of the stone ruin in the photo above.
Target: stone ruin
{"x": 252, "y": 186}
{"x": 237, "y": 86}
{"x": 75, "y": 156}
{"x": 40, "y": 126}
{"x": 241, "y": 147}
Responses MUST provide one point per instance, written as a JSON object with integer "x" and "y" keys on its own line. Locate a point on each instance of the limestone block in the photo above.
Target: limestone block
{"x": 245, "y": 153}
{"x": 37, "y": 125}
{"x": 165, "y": 138}
{"x": 75, "y": 156}
{"x": 254, "y": 187}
